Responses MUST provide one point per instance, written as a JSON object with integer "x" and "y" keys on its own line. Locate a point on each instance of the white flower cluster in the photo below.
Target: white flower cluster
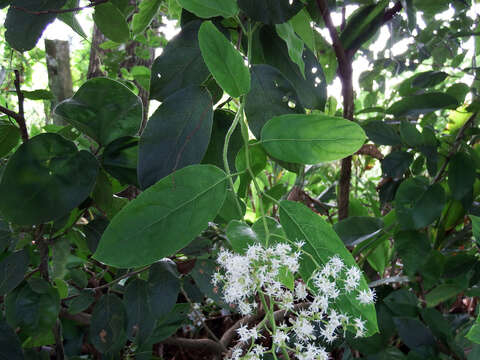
{"x": 310, "y": 318}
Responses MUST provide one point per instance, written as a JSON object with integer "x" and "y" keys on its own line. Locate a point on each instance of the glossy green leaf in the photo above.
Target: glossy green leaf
{"x": 240, "y": 236}
{"x": 147, "y": 11}
{"x": 311, "y": 89}
{"x": 170, "y": 323}
{"x": 163, "y": 287}
{"x": 474, "y": 332}
{"x": 382, "y": 133}
{"x": 413, "y": 333}
{"x": 461, "y": 176}
{"x": 210, "y": 8}
{"x": 229, "y": 210}
{"x": 45, "y": 179}
{"x": 108, "y": 325}
{"x": 222, "y": 120}
{"x": 428, "y": 79}
{"x": 9, "y": 138}
{"x": 321, "y": 242}
{"x": 224, "y": 62}
{"x": 24, "y": 29}
{"x": 356, "y": 229}
{"x": 111, "y": 22}
{"x": 176, "y": 135}
{"x": 180, "y": 64}
{"x": 103, "y": 109}
{"x": 418, "y": 204}
{"x": 80, "y": 302}
{"x": 10, "y": 346}
{"x": 311, "y": 139}
{"x": 164, "y": 218}
{"x": 12, "y": 270}
{"x": 257, "y": 161}
{"x": 402, "y": 302}
{"x": 275, "y": 231}
{"x": 270, "y": 11}
{"x": 294, "y": 44}
{"x": 396, "y": 163}
{"x": 202, "y": 273}
{"x": 70, "y": 18}
{"x": 422, "y": 104}
{"x": 271, "y": 95}
{"x": 38, "y": 95}
{"x": 119, "y": 159}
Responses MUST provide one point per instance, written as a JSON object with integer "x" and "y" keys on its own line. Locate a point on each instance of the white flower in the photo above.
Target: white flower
{"x": 303, "y": 328}
{"x": 353, "y": 279}
{"x": 336, "y": 265}
{"x": 236, "y": 353}
{"x": 360, "y": 327}
{"x": 279, "y": 337}
{"x": 300, "y": 291}
{"x": 246, "y": 334}
{"x": 366, "y": 296}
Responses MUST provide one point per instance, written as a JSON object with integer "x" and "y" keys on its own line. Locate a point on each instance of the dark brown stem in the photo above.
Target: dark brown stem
{"x": 59, "y": 350}
{"x": 60, "y": 11}
{"x": 20, "y": 116}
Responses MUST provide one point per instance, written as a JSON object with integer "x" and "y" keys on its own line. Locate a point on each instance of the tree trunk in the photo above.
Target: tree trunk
{"x": 59, "y": 73}
{"x": 96, "y": 52}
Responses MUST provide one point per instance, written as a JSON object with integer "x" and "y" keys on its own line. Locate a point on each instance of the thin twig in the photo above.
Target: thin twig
{"x": 60, "y": 11}
{"x": 20, "y": 116}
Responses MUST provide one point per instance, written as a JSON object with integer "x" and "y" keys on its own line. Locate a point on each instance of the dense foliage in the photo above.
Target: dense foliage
{"x": 252, "y": 214}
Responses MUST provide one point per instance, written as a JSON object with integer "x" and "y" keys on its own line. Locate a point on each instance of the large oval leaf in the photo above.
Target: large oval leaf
{"x": 24, "y": 28}
{"x": 321, "y": 242}
{"x": 311, "y": 139}
{"x": 271, "y": 95}
{"x": 45, "y": 179}
{"x": 147, "y": 11}
{"x": 224, "y": 62}
{"x": 176, "y": 135}
{"x": 111, "y": 22}
{"x": 12, "y": 270}
{"x": 9, "y": 137}
{"x": 103, "y": 109}
{"x": 180, "y": 64}
{"x": 210, "y": 8}
{"x": 270, "y": 11}
{"x": 164, "y": 218}
{"x": 423, "y": 104}
{"x": 119, "y": 159}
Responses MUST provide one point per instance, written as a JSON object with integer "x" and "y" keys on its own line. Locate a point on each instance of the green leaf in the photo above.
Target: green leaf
{"x": 274, "y": 229}
{"x": 294, "y": 44}
{"x": 311, "y": 139}
{"x": 80, "y": 303}
{"x": 413, "y": 333}
{"x": 38, "y": 95}
{"x": 423, "y": 104}
{"x": 474, "y": 332}
{"x": 475, "y": 227}
{"x": 381, "y": 133}
{"x": 6, "y": 236}
{"x": 428, "y": 79}
{"x": 202, "y": 273}
{"x": 10, "y": 347}
{"x": 210, "y": 8}
{"x": 103, "y": 109}
{"x": 321, "y": 242}
{"x": 163, "y": 287}
{"x": 9, "y": 138}
{"x": 301, "y": 23}
{"x": 357, "y": 229}
{"x": 111, "y": 22}
{"x": 271, "y": 95}
{"x": 140, "y": 320}
{"x": 396, "y": 163}
{"x": 180, "y": 64}
{"x": 176, "y": 135}
{"x": 119, "y": 159}
{"x": 461, "y": 176}
{"x": 147, "y": 11}
{"x": 24, "y": 29}
{"x": 418, "y": 204}
{"x": 312, "y": 88}
{"x": 402, "y": 302}
{"x": 224, "y": 62}
{"x": 442, "y": 293}
{"x": 240, "y": 236}
{"x": 270, "y": 11}
{"x": 164, "y": 218}
{"x": 12, "y": 270}
{"x": 170, "y": 323}
{"x": 108, "y": 324}
{"x": 229, "y": 210}
{"x": 45, "y": 179}
{"x": 70, "y": 19}
{"x": 34, "y": 312}
{"x": 222, "y": 120}
{"x": 414, "y": 248}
